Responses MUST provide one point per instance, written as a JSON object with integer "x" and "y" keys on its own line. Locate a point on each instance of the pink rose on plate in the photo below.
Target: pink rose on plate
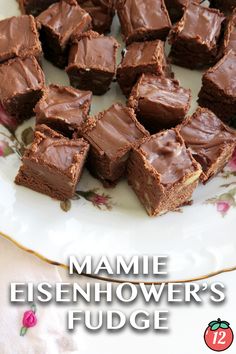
{"x": 98, "y": 200}
{"x": 232, "y": 163}
{"x": 29, "y": 319}
{"x": 223, "y": 207}
{"x": 2, "y": 147}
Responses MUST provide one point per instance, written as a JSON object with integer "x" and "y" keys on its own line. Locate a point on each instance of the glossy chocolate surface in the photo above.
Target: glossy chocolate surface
{"x": 19, "y": 76}
{"x": 223, "y": 75}
{"x": 34, "y": 7}
{"x": 140, "y": 18}
{"x": 115, "y": 131}
{"x": 160, "y": 100}
{"x": 92, "y": 62}
{"x": 94, "y": 51}
{"x": 55, "y": 150}
{"x": 158, "y": 89}
{"x": 201, "y": 24}
{"x": 143, "y": 53}
{"x": 63, "y": 104}
{"x": 206, "y": 136}
{"x": 53, "y": 164}
{"x": 167, "y": 153}
{"x": 64, "y": 19}
{"x": 19, "y": 38}
{"x": 139, "y": 58}
{"x": 176, "y": 8}
{"x": 230, "y": 34}
{"x": 101, "y": 12}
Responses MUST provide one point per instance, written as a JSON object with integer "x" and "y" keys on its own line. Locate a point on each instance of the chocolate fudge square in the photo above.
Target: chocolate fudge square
{"x": 22, "y": 85}
{"x": 53, "y": 164}
{"x": 223, "y": 5}
{"x": 176, "y": 8}
{"x": 111, "y": 135}
{"x": 92, "y": 62}
{"x": 163, "y": 173}
{"x": 101, "y": 12}
{"x": 196, "y": 37}
{"x": 159, "y": 102}
{"x": 209, "y": 140}
{"x": 143, "y": 20}
{"x": 218, "y": 92}
{"x": 139, "y": 58}
{"x": 230, "y": 34}
{"x": 63, "y": 109}
{"x": 34, "y": 7}
{"x": 58, "y": 23}
{"x": 19, "y": 38}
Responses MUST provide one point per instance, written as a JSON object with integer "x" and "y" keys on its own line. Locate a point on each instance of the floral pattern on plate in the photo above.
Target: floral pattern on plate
{"x": 226, "y": 201}
{"x": 10, "y": 144}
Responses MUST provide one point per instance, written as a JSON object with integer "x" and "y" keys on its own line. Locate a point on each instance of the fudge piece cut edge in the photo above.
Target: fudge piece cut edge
{"x": 42, "y": 176}
{"x": 107, "y": 166}
{"x": 158, "y": 123}
{"x": 55, "y": 120}
{"x": 226, "y": 146}
{"x": 95, "y": 78}
{"x": 17, "y": 109}
{"x": 159, "y": 198}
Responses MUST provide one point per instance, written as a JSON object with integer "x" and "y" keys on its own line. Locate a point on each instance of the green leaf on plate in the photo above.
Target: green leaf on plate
{"x": 7, "y": 151}
{"x": 65, "y": 205}
{"x": 27, "y": 136}
{"x": 232, "y": 192}
{"x": 227, "y": 197}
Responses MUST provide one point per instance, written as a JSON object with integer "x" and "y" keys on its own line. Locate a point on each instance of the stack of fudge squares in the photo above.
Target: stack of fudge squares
{"x": 151, "y": 141}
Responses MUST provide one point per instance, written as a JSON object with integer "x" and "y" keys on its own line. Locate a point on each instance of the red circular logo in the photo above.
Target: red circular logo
{"x": 218, "y": 335}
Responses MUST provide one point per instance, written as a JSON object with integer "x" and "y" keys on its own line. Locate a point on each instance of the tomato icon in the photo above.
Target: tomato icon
{"x": 218, "y": 335}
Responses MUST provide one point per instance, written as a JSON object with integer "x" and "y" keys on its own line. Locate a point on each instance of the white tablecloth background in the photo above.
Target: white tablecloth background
{"x": 187, "y": 322}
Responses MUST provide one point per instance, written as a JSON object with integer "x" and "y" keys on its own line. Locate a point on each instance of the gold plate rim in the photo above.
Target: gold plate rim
{"x": 114, "y": 280}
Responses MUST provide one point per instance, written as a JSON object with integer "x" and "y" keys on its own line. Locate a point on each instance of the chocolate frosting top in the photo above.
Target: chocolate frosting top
{"x": 103, "y": 3}
{"x": 143, "y": 53}
{"x": 201, "y": 23}
{"x": 56, "y": 150}
{"x": 206, "y": 136}
{"x": 101, "y": 11}
{"x": 58, "y": 153}
{"x": 64, "y": 19}
{"x": 115, "y": 130}
{"x": 141, "y": 15}
{"x": 158, "y": 89}
{"x": 19, "y": 37}
{"x": 230, "y": 33}
{"x": 19, "y": 76}
{"x": 94, "y": 51}
{"x": 168, "y": 155}
{"x": 232, "y": 39}
{"x": 65, "y": 103}
{"x": 223, "y": 74}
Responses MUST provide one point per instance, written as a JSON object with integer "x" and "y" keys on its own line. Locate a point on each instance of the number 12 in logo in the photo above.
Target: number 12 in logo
{"x": 218, "y": 335}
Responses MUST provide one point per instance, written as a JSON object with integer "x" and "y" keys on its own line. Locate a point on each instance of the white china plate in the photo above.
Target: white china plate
{"x": 198, "y": 240}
